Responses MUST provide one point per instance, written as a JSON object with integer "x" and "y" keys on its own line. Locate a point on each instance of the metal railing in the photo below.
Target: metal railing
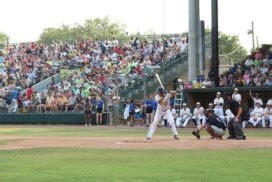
{"x": 159, "y": 68}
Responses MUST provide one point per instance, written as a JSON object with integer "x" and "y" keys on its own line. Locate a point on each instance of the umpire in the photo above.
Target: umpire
{"x": 235, "y": 124}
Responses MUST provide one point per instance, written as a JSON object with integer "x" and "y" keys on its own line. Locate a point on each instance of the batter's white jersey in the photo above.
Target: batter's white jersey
{"x": 162, "y": 107}
{"x": 162, "y": 111}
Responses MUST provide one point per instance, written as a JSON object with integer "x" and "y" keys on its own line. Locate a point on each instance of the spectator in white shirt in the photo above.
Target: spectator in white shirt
{"x": 249, "y": 62}
{"x": 268, "y": 81}
{"x": 264, "y": 69}
{"x": 207, "y": 83}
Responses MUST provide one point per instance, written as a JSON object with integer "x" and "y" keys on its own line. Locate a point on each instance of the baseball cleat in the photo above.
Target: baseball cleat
{"x": 243, "y": 137}
{"x": 176, "y": 137}
{"x": 148, "y": 138}
{"x": 196, "y": 134}
{"x": 230, "y": 137}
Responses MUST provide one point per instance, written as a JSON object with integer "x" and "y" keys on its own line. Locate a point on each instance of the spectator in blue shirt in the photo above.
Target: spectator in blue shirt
{"x": 99, "y": 110}
{"x": 132, "y": 108}
{"x": 15, "y": 95}
{"x": 149, "y": 110}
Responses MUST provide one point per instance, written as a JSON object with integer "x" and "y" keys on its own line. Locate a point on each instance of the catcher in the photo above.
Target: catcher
{"x": 214, "y": 126}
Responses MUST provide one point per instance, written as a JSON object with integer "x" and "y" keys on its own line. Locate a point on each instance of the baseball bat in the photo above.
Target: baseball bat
{"x": 159, "y": 80}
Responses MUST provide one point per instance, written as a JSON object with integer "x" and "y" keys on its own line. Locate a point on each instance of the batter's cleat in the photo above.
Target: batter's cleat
{"x": 196, "y": 134}
{"x": 243, "y": 137}
{"x": 231, "y": 137}
{"x": 148, "y": 138}
{"x": 176, "y": 137}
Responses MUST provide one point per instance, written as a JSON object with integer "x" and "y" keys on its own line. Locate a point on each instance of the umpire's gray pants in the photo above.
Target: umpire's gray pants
{"x": 235, "y": 128}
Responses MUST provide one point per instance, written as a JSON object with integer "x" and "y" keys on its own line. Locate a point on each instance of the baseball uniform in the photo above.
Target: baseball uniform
{"x": 162, "y": 111}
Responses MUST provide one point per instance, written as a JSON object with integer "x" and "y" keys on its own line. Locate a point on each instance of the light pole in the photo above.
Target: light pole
{"x": 215, "y": 61}
{"x": 193, "y": 38}
{"x": 163, "y": 64}
{"x": 163, "y": 17}
{"x": 251, "y": 31}
{"x": 163, "y": 31}
{"x": 144, "y": 85}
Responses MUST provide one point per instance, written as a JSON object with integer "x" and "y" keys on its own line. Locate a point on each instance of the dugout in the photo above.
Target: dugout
{"x": 207, "y": 95}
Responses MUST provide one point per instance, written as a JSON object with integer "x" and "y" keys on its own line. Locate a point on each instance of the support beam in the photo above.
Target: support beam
{"x": 193, "y": 39}
{"x": 202, "y": 47}
{"x": 253, "y": 36}
{"x": 215, "y": 61}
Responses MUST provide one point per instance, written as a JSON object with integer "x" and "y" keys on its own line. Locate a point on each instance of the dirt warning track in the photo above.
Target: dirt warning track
{"x": 185, "y": 143}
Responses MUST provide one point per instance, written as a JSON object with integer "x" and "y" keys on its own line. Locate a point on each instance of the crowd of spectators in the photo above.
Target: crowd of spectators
{"x": 104, "y": 65}
{"x": 254, "y": 71}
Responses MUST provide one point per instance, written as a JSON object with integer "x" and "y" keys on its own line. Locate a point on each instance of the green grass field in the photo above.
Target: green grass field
{"x": 73, "y": 164}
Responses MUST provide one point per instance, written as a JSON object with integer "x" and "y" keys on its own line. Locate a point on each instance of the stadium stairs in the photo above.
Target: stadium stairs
{"x": 174, "y": 68}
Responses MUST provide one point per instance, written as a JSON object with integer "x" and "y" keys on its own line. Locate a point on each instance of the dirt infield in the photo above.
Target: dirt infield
{"x": 185, "y": 143}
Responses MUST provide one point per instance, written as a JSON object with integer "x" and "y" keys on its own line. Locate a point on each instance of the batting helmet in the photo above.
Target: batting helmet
{"x": 160, "y": 90}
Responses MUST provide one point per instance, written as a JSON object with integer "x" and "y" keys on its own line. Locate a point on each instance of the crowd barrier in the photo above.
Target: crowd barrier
{"x": 49, "y": 118}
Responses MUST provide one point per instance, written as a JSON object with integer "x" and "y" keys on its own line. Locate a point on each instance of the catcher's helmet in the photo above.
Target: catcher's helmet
{"x": 160, "y": 90}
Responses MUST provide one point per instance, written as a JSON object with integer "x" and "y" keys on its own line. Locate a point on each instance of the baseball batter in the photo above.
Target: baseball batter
{"x": 163, "y": 110}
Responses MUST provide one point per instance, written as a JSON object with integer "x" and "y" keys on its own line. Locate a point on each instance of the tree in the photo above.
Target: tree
{"x": 92, "y": 29}
{"x": 230, "y": 48}
{"x": 3, "y": 38}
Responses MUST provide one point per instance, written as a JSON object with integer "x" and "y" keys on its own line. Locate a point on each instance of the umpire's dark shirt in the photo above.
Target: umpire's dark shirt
{"x": 234, "y": 106}
{"x": 215, "y": 122}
